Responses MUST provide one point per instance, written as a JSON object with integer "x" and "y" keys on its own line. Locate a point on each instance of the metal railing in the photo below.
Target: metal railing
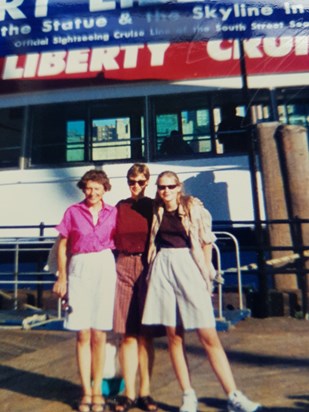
{"x": 262, "y": 267}
{"x": 289, "y": 258}
{"x": 37, "y": 249}
{"x": 16, "y": 254}
{"x": 228, "y": 236}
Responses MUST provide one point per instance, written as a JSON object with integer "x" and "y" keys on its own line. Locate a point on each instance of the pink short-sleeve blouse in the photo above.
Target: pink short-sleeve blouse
{"x": 83, "y": 235}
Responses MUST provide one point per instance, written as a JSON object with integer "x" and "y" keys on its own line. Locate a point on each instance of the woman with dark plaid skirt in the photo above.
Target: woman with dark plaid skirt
{"x": 131, "y": 239}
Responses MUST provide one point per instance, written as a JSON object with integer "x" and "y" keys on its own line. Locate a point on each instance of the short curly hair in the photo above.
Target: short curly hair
{"x": 95, "y": 176}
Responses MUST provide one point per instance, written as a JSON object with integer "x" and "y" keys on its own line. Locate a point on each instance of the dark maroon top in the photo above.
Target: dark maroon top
{"x": 171, "y": 233}
{"x": 133, "y": 225}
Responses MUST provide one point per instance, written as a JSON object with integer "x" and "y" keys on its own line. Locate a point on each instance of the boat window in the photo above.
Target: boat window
{"x": 87, "y": 131}
{"x": 11, "y": 129}
{"x": 150, "y": 129}
{"x": 183, "y": 127}
{"x": 75, "y": 140}
{"x": 295, "y": 114}
{"x": 117, "y": 130}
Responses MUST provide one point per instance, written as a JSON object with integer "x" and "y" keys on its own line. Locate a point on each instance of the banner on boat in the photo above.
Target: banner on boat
{"x": 150, "y": 39}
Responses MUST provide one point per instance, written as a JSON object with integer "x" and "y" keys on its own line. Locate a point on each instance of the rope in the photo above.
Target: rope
{"x": 271, "y": 262}
{"x": 34, "y": 320}
{"x": 6, "y": 295}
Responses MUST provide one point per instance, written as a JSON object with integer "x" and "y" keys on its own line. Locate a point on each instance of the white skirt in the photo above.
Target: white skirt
{"x": 177, "y": 293}
{"x": 91, "y": 291}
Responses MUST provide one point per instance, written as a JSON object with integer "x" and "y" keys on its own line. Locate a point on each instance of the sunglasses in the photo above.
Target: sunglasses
{"x": 170, "y": 187}
{"x": 132, "y": 182}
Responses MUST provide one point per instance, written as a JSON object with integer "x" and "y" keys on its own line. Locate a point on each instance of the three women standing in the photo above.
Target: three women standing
{"x": 179, "y": 290}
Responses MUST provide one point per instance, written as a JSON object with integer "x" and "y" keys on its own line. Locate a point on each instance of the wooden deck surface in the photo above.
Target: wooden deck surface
{"x": 269, "y": 358}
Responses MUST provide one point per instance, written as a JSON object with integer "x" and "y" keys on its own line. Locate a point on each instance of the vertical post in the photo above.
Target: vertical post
{"x": 24, "y": 155}
{"x": 263, "y": 289}
{"x": 41, "y": 228}
{"x": 294, "y": 161}
{"x": 274, "y": 106}
{"x": 16, "y": 270}
{"x": 39, "y": 267}
{"x": 276, "y": 205}
{"x": 147, "y": 128}
{"x": 302, "y": 268}
{"x": 88, "y": 138}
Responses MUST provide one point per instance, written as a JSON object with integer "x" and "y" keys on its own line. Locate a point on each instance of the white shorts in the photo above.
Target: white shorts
{"x": 91, "y": 291}
{"x": 177, "y": 292}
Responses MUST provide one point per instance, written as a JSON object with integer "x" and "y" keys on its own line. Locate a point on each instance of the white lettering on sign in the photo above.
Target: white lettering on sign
{"x": 236, "y": 11}
{"x": 12, "y": 9}
{"x": 257, "y": 48}
{"x": 143, "y": 56}
{"x": 52, "y": 64}
{"x": 13, "y": 30}
{"x": 221, "y": 52}
{"x": 100, "y": 5}
{"x": 81, "y": 61}
{"x": 74, "y": 24}
{"x": 41, "y": 8}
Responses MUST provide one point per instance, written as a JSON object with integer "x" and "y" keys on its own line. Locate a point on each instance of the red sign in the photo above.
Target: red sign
{"x": 165, "y": 61}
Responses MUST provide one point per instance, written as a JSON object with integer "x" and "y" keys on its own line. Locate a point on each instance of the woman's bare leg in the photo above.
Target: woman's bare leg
{"x": 129, "y": 364}
{"x": 83, "y": 353}
{"x": 98, "y": 340}
{"x": 217, "y": 357}
{"x": 178, "y": 357}
{"x": 146, "y": 360}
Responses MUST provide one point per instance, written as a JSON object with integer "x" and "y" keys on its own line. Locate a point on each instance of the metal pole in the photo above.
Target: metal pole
{"x": 254, "y": 184}
{"x": 40, "y": 266}
{"x": 148, "y": 117}
{"x": 23, "y": 159}
{"x": 238, "y": 265}
{"x": 302, "y": 270}
{"x": 220, "y": 292}
{"x": 274, "y": 105}
{"x": 16, "y": 265}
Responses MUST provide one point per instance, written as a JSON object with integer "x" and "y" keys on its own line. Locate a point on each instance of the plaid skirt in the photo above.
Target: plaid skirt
{"x": 130, "y": 296}
{"x": 131, "y": 290}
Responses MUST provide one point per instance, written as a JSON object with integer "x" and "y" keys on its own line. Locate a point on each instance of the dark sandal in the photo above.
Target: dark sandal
{"x": 147, "y": 403}
{"x": 83, "y": 405}
{"x": 98, "y": 406}
{"x": 123, "y": 403}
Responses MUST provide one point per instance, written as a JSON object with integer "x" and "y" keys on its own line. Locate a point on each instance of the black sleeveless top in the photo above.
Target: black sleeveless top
{"x": 171, "y": 233}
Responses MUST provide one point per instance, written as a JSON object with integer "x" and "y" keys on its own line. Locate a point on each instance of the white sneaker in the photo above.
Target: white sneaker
{"x": 189, "y": 401}
{"x": 238, "y": 402}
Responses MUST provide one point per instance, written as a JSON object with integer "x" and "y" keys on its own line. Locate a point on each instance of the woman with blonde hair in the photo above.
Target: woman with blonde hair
{"x": 180, "y": 287}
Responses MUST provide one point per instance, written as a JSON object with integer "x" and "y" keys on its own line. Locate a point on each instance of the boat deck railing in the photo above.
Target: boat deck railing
{"x": 25, "y": 267}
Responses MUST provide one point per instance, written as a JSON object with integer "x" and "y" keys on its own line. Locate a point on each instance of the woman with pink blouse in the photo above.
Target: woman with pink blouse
{"x": 87, "y": 275}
